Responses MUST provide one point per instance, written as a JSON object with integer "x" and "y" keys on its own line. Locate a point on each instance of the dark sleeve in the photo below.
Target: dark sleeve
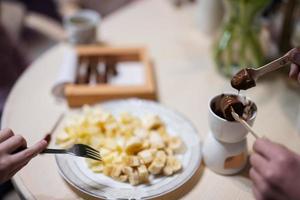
{"x": 12, "y": 63}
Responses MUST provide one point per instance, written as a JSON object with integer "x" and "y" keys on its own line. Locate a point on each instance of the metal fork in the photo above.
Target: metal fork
{"x": 80, "y": 150}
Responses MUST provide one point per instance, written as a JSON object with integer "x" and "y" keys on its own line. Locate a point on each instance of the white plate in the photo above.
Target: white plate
{"x": 75, "y": 171}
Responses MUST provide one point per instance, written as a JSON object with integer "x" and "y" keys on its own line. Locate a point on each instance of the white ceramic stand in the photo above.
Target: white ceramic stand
{"x": 225, "y": 148}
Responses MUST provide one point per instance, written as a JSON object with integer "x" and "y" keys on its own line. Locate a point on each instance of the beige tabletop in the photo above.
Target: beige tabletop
{"x": 186, "y": 79}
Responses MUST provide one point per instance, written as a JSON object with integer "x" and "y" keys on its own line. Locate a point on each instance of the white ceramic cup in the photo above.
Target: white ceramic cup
{"x": 81, "y": 27}
{"x": 228, "y": 131}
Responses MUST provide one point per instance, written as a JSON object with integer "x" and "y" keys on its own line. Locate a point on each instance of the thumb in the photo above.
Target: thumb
{"x": 294, "y": 55}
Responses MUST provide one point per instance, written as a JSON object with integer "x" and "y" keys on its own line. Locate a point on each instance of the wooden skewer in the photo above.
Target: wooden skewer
{"x": 244, "y": 123}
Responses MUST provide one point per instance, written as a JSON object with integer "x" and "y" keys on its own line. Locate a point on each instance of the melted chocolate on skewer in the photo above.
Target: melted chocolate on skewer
{"x": 243, "y": 80}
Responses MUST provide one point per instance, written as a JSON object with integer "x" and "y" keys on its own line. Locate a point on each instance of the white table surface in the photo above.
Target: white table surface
{"x": 186, "y": 78}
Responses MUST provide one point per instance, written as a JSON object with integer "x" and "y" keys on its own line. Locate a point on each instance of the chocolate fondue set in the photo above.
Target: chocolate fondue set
{"x": 231, "y": 117}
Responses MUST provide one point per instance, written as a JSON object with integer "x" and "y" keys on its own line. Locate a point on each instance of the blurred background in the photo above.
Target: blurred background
{"x": 245, "y": 33}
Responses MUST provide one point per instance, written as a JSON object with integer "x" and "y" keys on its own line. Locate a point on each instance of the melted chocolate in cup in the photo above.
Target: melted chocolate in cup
{"x": 243, "y": 80}
{"x": 222, "y": 105}
{"x": 227, "y": 103}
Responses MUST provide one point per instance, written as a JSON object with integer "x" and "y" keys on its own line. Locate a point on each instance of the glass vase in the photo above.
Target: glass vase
{"x": 238, "y": 45}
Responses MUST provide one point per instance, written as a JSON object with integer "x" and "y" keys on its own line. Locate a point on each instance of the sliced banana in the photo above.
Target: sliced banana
{"x": 141, "y": 133}
{"x": 160, "y": 157}
{"x": 122, "y": 178}
{"x": 134, "y": 178}
{"x": 175, "y": 143}
{"x": 134, "y": 145}
{"x": 168, "y": 171}
{"x": 156, "y": 140}
{"x": 146, "y": 156}
{"x": 116, "y": 171}
{"x": 158, "y": 163}
{"x": 67, "y": 143}
{"x": 152, "y": 122}
{"x": 107, "y": 170}
{"x": 132, "y": 161}
{"x": 169, "y": 151}
{"x": 174, "y": 163}
{"x": 132, "y": 148}
{"x": 155, "y": 167}
{"x": 110, "y": 157}
{"x": 127, "y": 170}
{"x": 143, "y": 174}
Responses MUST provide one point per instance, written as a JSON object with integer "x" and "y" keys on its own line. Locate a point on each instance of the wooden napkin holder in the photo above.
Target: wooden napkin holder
{"x": 78, "y": 94}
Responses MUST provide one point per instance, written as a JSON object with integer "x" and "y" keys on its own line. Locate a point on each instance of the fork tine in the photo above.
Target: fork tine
{"x": 86, "y": 151}
{"x": 90, "y": 148}
{"x": 94, "y": 153}
{"x": 93, "y": 157}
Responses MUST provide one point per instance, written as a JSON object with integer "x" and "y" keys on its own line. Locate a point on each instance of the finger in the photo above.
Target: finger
{"x": 29, "y": 153}
{"x": 257, "y": 194}
{"x": 267, "y": 149}
{"x": 264, "y": 190}
{"x": 298, "y": 78}
{"x": 258, "y": 162}
{"x": 5, "y": 134}
{"x": 294, "y": 55}
{"x": 294, "y": 71}
{"x": 13, "y": 143}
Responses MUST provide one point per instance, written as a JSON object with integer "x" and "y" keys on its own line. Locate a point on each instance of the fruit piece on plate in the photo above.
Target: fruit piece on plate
{"x": 134, "y": 178}
{"x": 146, "y": 156}
{"x": 132, "y": 161}
{"x": 127, "y": 170}
{"x": 107, "y": 170}
{"x": 156, "y": 140}
{"x": 116, "y": 171}
{"x": 158, "y": 163}
{"x": 175, "y": 143}
{"x": 174, "y": 163}
{"x": 152, "y": 122}
{"x": 133, "y": 145}
{"x": 122, "y": 178}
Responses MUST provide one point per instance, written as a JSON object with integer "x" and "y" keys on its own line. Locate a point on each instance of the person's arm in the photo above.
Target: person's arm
{"x": 275, "y": 171}
{"x": 11, "y": 162}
